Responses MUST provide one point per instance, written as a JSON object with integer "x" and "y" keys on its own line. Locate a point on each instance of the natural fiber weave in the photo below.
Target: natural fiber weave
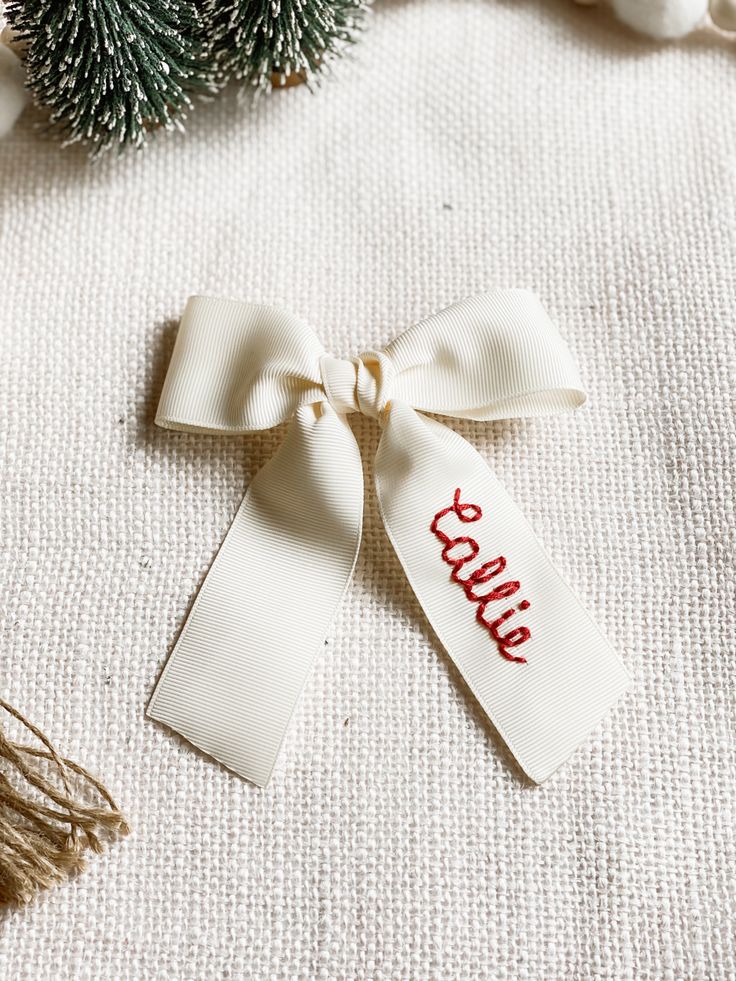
{"x": 469, "y": 144}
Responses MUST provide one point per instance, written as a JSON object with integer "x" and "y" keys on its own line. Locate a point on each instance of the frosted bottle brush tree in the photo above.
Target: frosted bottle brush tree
{"x": 111, "y": 72}
{"x": 269, "y": 42}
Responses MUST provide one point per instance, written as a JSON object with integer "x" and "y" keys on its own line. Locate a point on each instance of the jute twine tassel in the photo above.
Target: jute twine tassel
{"x": 44, "y": 830}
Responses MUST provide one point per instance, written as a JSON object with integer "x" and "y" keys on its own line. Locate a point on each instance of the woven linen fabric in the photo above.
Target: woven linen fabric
{"x": 468, "y": 144}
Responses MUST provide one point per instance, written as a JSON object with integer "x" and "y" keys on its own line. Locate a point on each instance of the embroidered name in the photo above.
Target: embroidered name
{"x": 483, "y": 574}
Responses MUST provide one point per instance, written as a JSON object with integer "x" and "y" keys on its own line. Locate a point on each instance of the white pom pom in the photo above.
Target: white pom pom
{"x": 13, "y": 95}
{"x": 661, "y": 18}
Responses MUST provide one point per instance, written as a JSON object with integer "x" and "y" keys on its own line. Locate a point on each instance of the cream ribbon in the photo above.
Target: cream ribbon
{"x": 540, "y": 668}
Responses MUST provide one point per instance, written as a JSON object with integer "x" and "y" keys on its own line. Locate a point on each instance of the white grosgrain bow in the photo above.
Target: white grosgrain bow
{"x": 535, "y": 661}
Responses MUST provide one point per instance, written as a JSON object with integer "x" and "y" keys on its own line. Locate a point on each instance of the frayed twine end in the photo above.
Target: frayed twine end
{"x": 46, "y": 825}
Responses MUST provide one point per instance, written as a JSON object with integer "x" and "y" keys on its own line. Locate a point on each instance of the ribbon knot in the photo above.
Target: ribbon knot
{"x": 530, "y": 654}
{"x": 357, "y": 384}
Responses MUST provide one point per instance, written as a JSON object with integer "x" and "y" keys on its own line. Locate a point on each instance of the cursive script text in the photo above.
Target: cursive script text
{"x": 457, "y": 553}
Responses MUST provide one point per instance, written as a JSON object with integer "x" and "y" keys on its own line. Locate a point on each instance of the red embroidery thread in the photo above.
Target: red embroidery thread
{"x": 483, "y": 574}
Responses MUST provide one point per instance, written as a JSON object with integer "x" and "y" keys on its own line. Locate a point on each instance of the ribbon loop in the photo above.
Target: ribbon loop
{"x": 237, "y": 367}
{"x": 532, "y": 656}
{"x": 492, "y": 356}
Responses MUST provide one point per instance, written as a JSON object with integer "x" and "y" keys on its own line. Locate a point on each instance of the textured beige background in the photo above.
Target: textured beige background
{"x": 469, "y": 144}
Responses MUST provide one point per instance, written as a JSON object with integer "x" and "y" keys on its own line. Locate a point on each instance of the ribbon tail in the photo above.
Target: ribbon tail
{"x": 236, "y": 673}
{"x": 546, "y": 703}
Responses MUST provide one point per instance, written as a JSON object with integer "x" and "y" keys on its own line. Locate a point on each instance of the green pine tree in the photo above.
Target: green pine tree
{"x": 112, "y": 71}
{"x": 255, "y": 39}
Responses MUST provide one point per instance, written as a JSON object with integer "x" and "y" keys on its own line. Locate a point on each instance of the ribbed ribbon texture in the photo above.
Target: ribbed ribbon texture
{"x": 536, "y": 662}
